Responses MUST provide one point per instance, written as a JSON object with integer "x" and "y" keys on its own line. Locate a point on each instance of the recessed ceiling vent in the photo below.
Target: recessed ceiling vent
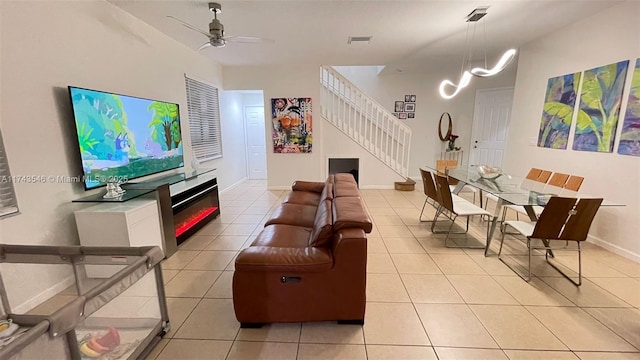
{"x": 359, "y": 40}
{"x": 477, "y": 14}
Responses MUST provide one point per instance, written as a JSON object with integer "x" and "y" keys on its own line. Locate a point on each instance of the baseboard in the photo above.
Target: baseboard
{"x": 417, "y": 179}
{"x": 376, "y": 187}
{"x": 614, "y": 248}
{"x": 234, "y": 185}
{"x": 43, "y": 296}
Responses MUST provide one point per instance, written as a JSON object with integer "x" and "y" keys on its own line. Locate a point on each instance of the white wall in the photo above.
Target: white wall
{"x": 233, "y": 135}
{"x": 426, "y": 145}
{"x": 607, "y": 37}
{"x": 284, "y": 81}
{"x": 46, "y": 46}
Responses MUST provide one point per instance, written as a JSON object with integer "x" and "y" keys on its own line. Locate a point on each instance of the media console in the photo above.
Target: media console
{"x": 186, "y": 202}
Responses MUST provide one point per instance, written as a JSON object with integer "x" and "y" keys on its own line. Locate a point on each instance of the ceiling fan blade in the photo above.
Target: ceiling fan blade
{"x": 247, "y": 39}
{"x": 204, "y": 46}
{"x": 187, "y": 25}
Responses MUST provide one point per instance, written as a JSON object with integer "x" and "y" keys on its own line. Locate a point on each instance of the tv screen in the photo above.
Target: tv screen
{"x": 124, "y": 137}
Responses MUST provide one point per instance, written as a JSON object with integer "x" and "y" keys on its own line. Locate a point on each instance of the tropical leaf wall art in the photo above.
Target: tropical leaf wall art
{"x": 630, "y": 137}
{"x": 600, "y": 100}
{"x": 557, "y": 113}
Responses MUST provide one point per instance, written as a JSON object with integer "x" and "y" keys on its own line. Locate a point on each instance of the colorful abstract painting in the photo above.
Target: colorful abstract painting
{"x": 630, "y": 137}
{"x": 292, "y": 124}
{"x": 600, "y": 99}
{"x": 557, "y": 113}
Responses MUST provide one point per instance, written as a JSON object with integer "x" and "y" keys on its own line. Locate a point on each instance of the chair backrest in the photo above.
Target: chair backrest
{"x": 428, "y": 185}
{"x": 533, "y": 174}
{"x": 443, "y": 165}
{"x": 577, "y": 227}
{"x": 574, "y": 183}
{"x": 562, "y": 219}
{"x": 558, "y": 180}
{"x": 444, "y": 192}
{"x": 544, "y": 176}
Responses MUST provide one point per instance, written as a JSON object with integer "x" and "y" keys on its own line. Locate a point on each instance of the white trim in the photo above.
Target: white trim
{"x": 234, "y": 185}
{"x": 377, "y": 187}
{"x": 43, "y": 296}
{"x": 614, "y": 248}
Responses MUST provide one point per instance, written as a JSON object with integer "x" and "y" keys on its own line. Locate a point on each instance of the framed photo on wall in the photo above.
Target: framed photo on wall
{"x": 407, "y": 98}
{"x": 409, "y": 107}
{"x": 399, "y": 106}
{"x": 402, "y": 115}
{"x": 412, "y": 98}
{"x": 411, "y": 115}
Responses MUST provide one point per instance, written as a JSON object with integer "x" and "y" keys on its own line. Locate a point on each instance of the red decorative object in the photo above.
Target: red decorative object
{"x": 194, "y": 220}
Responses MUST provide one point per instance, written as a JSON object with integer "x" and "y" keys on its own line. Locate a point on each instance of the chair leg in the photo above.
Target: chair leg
{"x": 579, "y": 282}
{"x": 423, "y": 206}
{"x": 511, "y": 267}
{"x": 453, "y": 221}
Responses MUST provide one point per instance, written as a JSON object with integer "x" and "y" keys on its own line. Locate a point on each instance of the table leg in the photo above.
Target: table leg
{"x": 492, "y": 227}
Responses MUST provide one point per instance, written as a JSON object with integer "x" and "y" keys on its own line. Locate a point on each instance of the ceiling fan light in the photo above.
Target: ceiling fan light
{"x": 464, "y": 82}
{"x": 505, "y": 60}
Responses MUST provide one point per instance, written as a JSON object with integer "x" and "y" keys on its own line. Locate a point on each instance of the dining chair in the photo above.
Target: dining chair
{"x": 431, "y": 192}
{"x": 452, "y": 209}
{"x": 533, "y": 175}
{"x": 573, "y": 183}
{"x": 558, "y": 180}
{"x": 555, "y": 186}
{"x": 443, "y": 167}
{"x": 562, "y": 219}
{"x": 544, "y": 176}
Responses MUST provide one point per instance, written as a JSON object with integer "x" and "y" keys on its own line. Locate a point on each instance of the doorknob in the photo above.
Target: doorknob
{"x": 476, "y": 141}
{"x": 475, "y": 147}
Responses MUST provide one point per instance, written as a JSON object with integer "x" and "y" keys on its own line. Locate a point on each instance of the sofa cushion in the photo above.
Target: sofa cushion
{"x": 293, "y": 214}
{"x": 327, "y": 192}
{"x": 346, "y": 188}
{"x": 279, "y": 235}
{"x": 310, "y": 186}
{"x": 303, "y": 198}
{"x": 348, "y": 212}
{"x": 322, "y": 233}
{"x": 284, "y": 260}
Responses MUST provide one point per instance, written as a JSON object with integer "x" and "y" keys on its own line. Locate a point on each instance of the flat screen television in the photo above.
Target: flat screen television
{"x": 123, "y": 137}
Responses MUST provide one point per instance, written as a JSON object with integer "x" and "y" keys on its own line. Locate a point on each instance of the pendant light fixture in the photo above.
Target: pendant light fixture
{"x": 466, "y": 72}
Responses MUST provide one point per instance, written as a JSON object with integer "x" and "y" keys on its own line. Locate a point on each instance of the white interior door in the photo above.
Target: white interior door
{"x": 491, "y": 117}
{"x": 256, "y": 145}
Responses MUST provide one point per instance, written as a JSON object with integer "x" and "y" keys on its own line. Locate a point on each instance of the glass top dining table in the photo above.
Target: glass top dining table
{"x": 511, "y": 190}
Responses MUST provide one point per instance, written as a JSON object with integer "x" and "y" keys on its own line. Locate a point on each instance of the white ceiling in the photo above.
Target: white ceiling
{"x": 407, "y": 35}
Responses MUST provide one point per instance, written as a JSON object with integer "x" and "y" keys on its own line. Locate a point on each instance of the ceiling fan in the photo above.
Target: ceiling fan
{"x": 216, "y": 31}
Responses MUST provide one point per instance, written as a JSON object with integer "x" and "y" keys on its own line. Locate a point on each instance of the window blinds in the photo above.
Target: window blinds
{"x": 8, "y": 202}
{"x": 204, "y": 120}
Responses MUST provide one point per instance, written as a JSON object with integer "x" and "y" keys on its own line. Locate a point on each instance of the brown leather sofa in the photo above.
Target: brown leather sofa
{"x": 309, "y": 262}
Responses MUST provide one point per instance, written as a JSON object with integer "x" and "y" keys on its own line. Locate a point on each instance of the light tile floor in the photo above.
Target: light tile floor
{"x": 425, "y": 301}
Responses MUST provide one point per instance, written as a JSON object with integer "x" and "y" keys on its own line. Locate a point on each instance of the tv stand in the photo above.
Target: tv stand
{"x": 186, "y": 202}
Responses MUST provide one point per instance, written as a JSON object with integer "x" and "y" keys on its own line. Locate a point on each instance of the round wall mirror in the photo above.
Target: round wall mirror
{"x": 449, "y": 128}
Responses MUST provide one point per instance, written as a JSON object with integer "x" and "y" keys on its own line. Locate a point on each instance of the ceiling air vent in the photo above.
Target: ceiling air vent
{"x": 359, "y": 40}
{"x": 477, "y": 14}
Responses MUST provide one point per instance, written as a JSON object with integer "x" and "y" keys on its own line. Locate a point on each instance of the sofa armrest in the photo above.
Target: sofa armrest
{"x": 284, "y": 259}
{"x": 311, "y": 186}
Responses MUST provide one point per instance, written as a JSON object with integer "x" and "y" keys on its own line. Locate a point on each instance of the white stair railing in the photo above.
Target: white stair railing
{"x": 364, "y": 120}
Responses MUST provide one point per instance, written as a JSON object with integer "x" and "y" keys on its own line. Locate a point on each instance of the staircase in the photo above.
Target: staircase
{"x": 365, "y": 121}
